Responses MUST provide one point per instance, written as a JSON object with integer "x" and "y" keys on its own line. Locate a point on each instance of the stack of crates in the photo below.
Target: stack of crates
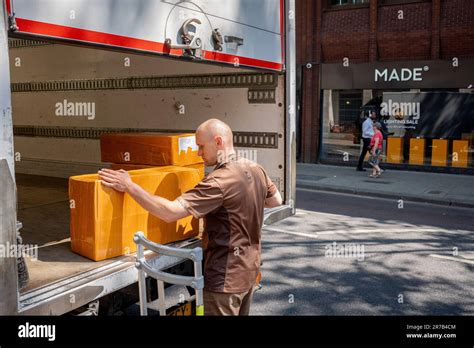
{"x": 131, "y": 151}
{"x": 103, "y": 221}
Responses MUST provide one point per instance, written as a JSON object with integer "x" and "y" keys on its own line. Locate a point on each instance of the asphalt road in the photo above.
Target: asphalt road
{"x": 353, "y": 255}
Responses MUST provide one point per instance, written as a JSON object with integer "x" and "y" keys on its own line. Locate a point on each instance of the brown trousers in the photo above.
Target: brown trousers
{"x": 216, "y": 303}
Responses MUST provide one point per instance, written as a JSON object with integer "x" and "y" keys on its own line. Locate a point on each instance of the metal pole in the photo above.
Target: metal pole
{"x": 290, "y": 62}
{"x": 6, "y": 135}
{"x": 8, "y": 262}
{"x": 142, "y": 283}
{"x": 161, "y": 298}
{"x": 199, "y": 291}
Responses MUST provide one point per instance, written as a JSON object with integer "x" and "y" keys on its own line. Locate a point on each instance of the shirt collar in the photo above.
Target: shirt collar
{"x": 231, "y": 158}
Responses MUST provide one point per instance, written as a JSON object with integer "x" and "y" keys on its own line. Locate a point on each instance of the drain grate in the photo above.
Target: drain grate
{"x": 434, "y": 192}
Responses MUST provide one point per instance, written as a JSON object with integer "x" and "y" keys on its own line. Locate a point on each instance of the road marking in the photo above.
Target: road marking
{"x": 381, "y": 230}
{"x": 453, "y": 258}
{"x": 313, "y": 236}
{"x": 355, "y": 231}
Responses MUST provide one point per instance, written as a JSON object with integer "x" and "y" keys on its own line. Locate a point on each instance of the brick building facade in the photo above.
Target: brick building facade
{"x": 374, "y": 32}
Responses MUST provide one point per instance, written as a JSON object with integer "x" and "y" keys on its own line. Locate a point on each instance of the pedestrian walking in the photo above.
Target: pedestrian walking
{"x": 376, "y": 146}
{"x": 367, "y": 134}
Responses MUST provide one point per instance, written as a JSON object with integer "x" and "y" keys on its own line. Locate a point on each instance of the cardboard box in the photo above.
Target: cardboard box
{"x": 103, "y": 221}
{"x": 117, "y": 166}
{"x": 153, "y": 149}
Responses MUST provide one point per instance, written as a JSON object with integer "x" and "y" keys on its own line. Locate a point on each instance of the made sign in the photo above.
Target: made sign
{"x": 433, "y": 74}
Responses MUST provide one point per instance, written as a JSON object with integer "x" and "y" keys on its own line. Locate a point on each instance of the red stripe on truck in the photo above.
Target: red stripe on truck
{"x": 64, "y": 32}
{"x": 83, "y": 35}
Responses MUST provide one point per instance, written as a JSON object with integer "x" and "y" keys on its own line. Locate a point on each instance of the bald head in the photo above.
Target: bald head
{"x": 214, "y": 127}
{"x": 214, "y": 139}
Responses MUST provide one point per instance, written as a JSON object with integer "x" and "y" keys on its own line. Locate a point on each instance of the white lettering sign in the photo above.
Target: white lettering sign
{"x": 404, "y": 74}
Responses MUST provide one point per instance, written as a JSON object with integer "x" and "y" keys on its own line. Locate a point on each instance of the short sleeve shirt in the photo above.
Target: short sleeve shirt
{"x": 231, "y": 200}
{"x": 378, "y": 135}
{"x": 368, "y": 128}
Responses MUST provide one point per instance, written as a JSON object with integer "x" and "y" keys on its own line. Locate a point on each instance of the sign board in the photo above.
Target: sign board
{"x": 252, "y": 31}
{"x": 398, "y": 75}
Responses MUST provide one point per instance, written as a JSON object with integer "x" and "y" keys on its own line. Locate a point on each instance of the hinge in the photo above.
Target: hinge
{"x": 12, "y": 22}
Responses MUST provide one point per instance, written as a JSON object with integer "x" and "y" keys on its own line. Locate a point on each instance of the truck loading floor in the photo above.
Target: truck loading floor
{"x": 43, "y": 209}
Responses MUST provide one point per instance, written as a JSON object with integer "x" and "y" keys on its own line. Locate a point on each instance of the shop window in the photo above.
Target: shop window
{"x": 349, "y": 109}
{"x": 425, "y": 128}
{"x": 341, "y": 119}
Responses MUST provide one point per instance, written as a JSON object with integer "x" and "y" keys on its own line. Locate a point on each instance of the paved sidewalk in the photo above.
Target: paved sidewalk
{"x": 446, "y": 189}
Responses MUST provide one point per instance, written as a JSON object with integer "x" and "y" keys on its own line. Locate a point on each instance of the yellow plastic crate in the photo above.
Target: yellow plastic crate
{"x": 153, "y": 149}
{"x": 117, "y": 166}
{"x": 103, "y": 221}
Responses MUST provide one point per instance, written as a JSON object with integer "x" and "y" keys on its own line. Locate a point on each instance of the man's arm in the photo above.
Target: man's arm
{"x": 166, "y": 210}
{"x": 274, "y": 201}
{"x": 273, "y": 197}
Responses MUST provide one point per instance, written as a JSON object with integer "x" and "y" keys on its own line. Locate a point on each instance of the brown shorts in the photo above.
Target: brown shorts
{"x": 217, "y": 303}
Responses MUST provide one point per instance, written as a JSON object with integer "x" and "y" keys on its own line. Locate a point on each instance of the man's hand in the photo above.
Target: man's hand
{"x": 118, "y": 180}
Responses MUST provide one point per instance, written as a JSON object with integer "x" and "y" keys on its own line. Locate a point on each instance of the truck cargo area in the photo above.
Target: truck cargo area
{"x": 43, "y": 209}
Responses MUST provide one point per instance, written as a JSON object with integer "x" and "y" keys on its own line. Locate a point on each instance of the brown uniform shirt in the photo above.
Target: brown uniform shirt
{"x": 231, "y": 200}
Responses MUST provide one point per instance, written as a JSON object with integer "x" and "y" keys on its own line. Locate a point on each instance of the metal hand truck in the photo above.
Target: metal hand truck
{"x": 146, "y": 268}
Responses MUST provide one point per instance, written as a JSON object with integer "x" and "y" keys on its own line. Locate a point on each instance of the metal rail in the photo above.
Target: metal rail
{"x": 146, "y": 268}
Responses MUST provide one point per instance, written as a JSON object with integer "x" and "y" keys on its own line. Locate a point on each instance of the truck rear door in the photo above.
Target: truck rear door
{"x": 244, "y": 33}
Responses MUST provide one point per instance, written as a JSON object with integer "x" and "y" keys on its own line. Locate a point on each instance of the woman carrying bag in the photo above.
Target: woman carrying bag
{"x": 375, "y": 148}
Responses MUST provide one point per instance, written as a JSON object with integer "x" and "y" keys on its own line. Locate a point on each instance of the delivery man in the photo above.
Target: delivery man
{"x": 231, "y": 200}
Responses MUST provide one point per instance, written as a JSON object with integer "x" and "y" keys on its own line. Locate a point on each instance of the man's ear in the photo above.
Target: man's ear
{"x": 218, "y": 140}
